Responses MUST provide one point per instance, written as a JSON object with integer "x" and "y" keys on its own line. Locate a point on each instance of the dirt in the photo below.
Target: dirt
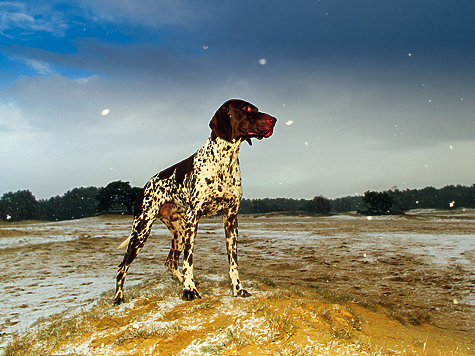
{"x": 386, "y": 285}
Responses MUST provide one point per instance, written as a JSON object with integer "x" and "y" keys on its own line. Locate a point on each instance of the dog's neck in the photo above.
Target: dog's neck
{"x": 219, "y": 146}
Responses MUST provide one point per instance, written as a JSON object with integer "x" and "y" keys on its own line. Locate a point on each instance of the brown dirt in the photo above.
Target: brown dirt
{"x": 320, "y": 285}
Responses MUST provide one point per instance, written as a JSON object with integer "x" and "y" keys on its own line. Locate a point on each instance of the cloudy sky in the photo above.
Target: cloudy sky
{"x": 368, "y": 94}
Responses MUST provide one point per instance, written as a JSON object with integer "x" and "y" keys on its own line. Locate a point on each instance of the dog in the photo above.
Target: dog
{"x": 204, "y": 184}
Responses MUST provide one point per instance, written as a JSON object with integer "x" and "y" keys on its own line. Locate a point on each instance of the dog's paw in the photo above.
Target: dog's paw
{"x": 189, "y": 295}
{"x": 119, "y": 300}
{"x": 119, "y": 297}
{"x": 243, "y": 293}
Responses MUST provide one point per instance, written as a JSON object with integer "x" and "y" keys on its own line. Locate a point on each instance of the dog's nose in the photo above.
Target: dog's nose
{"x": 271, "y": 120}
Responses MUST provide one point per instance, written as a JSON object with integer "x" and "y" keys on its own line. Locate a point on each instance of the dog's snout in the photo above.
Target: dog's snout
{"x": 270, "y": 120}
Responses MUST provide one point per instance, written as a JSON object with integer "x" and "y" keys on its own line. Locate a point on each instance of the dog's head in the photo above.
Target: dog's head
{"x": 239, "y": 120}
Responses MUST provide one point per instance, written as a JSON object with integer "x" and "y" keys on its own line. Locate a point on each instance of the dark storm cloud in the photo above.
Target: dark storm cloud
{"x": 318, "y": 28}
{"x": 301, "y": 31}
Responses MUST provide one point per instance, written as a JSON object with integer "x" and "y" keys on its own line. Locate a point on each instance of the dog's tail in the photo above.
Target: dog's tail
{"x": 125, "y": 243}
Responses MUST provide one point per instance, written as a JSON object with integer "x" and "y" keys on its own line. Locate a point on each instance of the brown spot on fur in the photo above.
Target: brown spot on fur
{"x": 139, "y": 203}
{"x": 232, "y": 224}
{"x": 182, "y": 169}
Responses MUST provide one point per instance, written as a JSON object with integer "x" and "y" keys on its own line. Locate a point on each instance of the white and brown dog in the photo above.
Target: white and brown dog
{"x": 202, "y": 185}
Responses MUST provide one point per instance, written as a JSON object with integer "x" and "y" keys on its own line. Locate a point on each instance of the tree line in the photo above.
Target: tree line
{"x": 120, "y": 196}
{"x": 77, "y": 203}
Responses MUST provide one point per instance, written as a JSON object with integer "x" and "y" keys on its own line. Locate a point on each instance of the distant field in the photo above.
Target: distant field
{"x": 319, "y": 284}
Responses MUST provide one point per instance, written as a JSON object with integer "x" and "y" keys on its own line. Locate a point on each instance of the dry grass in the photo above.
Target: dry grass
{"x": 147, "y": 332}
{"x": 293, "y": 321}
{"x": 281, "y": 325}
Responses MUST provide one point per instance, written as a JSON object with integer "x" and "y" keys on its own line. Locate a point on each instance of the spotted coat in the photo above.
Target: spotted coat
{"x": 204, "y": 184}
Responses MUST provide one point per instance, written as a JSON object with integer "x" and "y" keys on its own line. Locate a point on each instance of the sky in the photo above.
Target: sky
{"x": 369, "y": 94}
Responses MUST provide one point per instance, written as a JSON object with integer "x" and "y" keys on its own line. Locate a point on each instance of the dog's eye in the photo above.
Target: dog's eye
{"x": 247, "y": 108}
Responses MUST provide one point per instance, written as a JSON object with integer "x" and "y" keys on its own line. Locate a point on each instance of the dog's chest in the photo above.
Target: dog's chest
{"x": 217, "y": 178}
{"x": 218, "y": 181}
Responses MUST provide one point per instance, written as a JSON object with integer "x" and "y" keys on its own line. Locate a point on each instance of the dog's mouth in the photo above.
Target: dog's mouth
{"x": 268, "y": 128}
{"x": 264, "y": 130}
{"x": 267, "y": 135}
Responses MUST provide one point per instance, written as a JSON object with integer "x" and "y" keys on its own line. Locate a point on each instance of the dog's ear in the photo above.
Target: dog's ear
{"x": 221, "y": 124}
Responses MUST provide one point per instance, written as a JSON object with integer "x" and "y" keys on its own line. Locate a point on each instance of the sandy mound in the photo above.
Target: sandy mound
{"x": 274, "y": 321}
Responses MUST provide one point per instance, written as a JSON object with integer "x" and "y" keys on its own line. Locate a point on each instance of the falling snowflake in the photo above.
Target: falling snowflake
{"x": 105, "y": 112}
{"x": 262, "y": 61}
{"x": 290, "y": 122}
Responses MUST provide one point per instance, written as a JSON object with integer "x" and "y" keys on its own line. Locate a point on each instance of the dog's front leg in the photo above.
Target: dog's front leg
{"x": 189, "y": 289}
{"x": 231, "y": 230}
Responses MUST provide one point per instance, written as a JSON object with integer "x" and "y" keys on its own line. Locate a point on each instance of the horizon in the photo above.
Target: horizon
{"x": 257, "y": 198}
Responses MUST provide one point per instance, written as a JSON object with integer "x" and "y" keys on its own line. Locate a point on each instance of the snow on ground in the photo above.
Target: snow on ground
{"x": 46, "y": 268}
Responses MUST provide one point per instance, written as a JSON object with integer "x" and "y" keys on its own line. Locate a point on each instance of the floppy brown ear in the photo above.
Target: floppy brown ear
{"x": 221, "y": 124}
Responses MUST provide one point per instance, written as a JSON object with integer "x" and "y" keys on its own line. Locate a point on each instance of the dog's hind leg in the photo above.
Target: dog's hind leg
{"x": 176, "y": 229}
{"x": 140, "y": 233}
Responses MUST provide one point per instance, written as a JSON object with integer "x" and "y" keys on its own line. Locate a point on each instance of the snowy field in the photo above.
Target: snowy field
{"x": 46, "y": 268}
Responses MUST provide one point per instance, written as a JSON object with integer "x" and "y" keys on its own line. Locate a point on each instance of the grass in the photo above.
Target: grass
{"x": 280, "y": 325}
{"x": 419, "y": 318}
{"x": 416, "y": 318}
{"x": 205, "y": 304}
{"x": 235, "y": 340}
{"x": 51, "y": 332}
{"x": 256, "y": 307}
{"x": 238, "y": 339}
{"x": 147, "y": 332}
{"x": 268, "y": 282}
{"x": 22, "y": 346}
{"x": 292, "y": 350}
{"x": 152, "y": 287}
{"x": 212, "y": 349}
